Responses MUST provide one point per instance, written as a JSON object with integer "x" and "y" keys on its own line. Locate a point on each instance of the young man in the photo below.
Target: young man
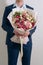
{"x": 14, "y": 48}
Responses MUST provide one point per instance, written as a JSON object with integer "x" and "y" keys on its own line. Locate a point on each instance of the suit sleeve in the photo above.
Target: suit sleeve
{"x": 5, "y": 22}
{"x": 33, "y": 30}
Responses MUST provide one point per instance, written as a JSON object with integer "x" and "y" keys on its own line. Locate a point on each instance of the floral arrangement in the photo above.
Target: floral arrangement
{"x": 23, "y": 21}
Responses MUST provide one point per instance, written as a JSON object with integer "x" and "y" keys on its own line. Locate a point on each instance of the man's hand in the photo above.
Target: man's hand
{"x": 24, "y": 35}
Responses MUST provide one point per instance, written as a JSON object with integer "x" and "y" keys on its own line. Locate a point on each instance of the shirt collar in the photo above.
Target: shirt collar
{"x": 15, "y": 5}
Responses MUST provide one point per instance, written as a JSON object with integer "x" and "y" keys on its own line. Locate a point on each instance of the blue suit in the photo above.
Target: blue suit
{"x": 13, "y": 48}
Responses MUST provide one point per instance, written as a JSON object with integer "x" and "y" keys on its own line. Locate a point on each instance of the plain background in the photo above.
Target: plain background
{"x": 37, "y": 37}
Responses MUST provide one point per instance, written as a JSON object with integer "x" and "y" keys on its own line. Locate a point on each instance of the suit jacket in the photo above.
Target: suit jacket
{"x": 7, "y": 26}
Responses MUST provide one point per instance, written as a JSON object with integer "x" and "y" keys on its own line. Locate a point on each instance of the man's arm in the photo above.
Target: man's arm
{"x": 5, "y": 22}
{"x": 33, "y": 30}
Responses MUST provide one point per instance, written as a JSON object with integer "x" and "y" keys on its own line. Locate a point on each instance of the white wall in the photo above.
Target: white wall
{"x": 37, "y": 37}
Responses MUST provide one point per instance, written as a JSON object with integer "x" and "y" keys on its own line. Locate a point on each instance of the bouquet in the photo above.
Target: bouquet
{"x": 22, "y": 21}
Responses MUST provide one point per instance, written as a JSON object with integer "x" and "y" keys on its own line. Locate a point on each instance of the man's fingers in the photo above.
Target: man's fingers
{"x": 24, "y": 35}
{"x": 27, "y": 33}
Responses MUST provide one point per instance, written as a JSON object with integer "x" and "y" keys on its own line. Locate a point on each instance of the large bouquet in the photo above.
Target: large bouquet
{"x": 22, "y": 21}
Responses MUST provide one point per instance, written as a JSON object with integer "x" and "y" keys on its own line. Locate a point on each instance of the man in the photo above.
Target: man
{"x": 14, "y": 48}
